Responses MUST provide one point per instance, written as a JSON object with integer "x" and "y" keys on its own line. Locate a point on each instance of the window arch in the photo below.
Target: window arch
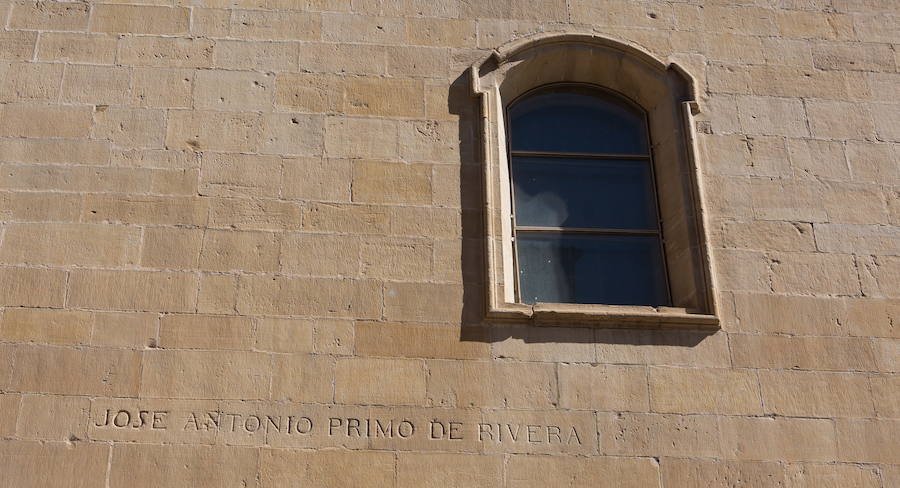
{"x": 589, "y": 160}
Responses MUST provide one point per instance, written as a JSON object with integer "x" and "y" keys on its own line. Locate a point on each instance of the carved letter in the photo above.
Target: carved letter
{"x": 256, "y": 423}
{"x": 307, "y": 425}
{"x": 410, "y": 429}
{"x": 353, "y": 424}
{"x": 271, "y": 421}
{"x": 381, "y": 431}
{"x": 454, "y": 431}
{"x": 553, "y": 431}
{"x": 574, "y": 434}
{"x": 105, "y": 420}
{"x": 124, "y": 422}
{"x": 532, "y": 433}
{"x": 159, "y": 419}
{"x": 434, "y": 424}
{"x": 485, "y": 429}
{"x": 192, "y": 420}
{"x": 334, "y": 423}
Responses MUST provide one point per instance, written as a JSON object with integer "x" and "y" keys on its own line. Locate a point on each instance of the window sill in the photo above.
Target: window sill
{"x": 580, "y": 315}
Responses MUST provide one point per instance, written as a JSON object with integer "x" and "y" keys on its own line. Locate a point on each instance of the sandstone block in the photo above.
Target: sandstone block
{"x": 161, "y": 87}
{"x": 208, "y": 130}
{"x": 722, "y": 391}
{"x": 426, "y": 470}
{"x": 319, "y": 255}
{"x": 32, "y": 287}
{"x": 247, "y": 251}
{"x": 880, "y": 276}
{"x": 134, "y": 330}
{"x": 384, "y": 182}
{"x": 28, "y": 463}
{"x": 241, "y": 175}
{"x": 362, "y": 219}
{"x": 140, "y": 19}
{"x": 740, "y": 270}
{"x": 62, "y": 327}
{"x": 872, "y": 317}
{"x": 21, "y": 120}
{"x": 466, "y": 384}
{"x": 218, "y": 294}
{"x": 276, "y": 26}
{"x": 362, "y": 29}
{"x": 871, "y": 162}
{"x": 317, "y": 179}
{"x": 441, "y": 32}
{"x": 430, "y": 141}
{"x": 96, "y": 85}
{"x": 396, "y": 258}
{"x": 131, "y": 128}
{"x": 9, "y": 413}
{"x": 267, "y": 56}
{"x": 528, "y": 9}
{"x": 133, "y": 290}
{"x": 815, "y": 394}
{"x": 570, "y": 345}
{"x": 853, "y": 56}
{"x": 210, "y": 22}
{"x": 54, "y": 151}
{"x": 868, "y": 441}
{"x": 40, "y": 206}
{"x": 425, "y": 62}
{"x": 840, "y": 120}
{"x": 358, "y": 59}
{"x": 285, "y": 335}
{"x": 109, "y": 372}
{"x": 61, "y": 16}
{"x": 604, "y": 387}
{"x": 886, "y": 394}
{"x": 814, "y": 25}
{"x": 254, "y": 214}
{"x": 815, "y": 274}
{"x": 347, "y": 137}
{"x": 292, "y": 134}
{"x": 183, "y": 465}
{"x": 309, "y": 92}
{"x": 53, "y": 418}
{"x": 671, "y": 348}
{"x": 77, "y": 48}
{"x": 597, "y": 472}
{"x": 17, "y": 44}
{"x": 635, "y": 434}
{"x": 171, "y": 248}
{"x": 790, "y": 314}
{"x": 772, "y": 116}
{"x": 206, "y": 374}
{"x": 167, "y": 52}
{"x": 815, "y": 353}
{"x": 423, "y": 302}
{"x": 419, "y": 341}
{"x": 886, "y": 120}
{"x": 386, "y": 97}
{"x": 204, "y": 332}
{"x": 233, "y": 90}
{"x": 303, "y": 378}
{"x": 777, "y": 439}
{"x": 816, "y": 158}
{"x": 70, "y": 244}
{"x": 334, "y": 337}
{"x": 696, "y": 473}
{"x": 769, "y": 235}
{"x": 370, "y": 381}
{"x": 281, "y": 468}
{"x": 813, "y": 475}
{"x": 317, "y": 297}
{"x": 30, "y": 82}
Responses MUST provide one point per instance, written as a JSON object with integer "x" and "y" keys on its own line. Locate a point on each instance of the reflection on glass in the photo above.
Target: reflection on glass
{"x": 576, "y": 120}
{"x": 577, "y": 268}
{"x": 585, "y": 193}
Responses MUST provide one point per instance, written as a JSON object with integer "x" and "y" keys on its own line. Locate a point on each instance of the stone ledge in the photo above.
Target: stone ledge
{"x": 586, "y": 315}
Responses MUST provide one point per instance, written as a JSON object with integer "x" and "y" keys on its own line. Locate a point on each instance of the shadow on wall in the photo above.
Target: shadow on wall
{"x": 475, "y": 328}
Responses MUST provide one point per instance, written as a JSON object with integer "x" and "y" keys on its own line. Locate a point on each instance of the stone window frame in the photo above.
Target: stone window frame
{"x": 668, "y": 95}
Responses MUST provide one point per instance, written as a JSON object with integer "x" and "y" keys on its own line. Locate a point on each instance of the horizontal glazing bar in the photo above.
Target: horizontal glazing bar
{"x": 578, "y": 155}
{"x": 582, "y": 230}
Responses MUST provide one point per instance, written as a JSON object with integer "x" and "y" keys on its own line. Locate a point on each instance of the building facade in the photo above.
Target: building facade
{"x": 270, "y": 243}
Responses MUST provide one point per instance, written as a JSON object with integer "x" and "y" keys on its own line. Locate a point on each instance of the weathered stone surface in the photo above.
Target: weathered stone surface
{"x": 379, "y": 381}
{"x": 604, "y": 387}
{"x": 720, "y": 391}
{"x": 113, "y": 372}
{"x": 206, "y": 374}
{"x": 53, "y": 463}
{"x": 53, "y": 418}
{"x": 464, "y": 384}
{"x": 183, "y": 465}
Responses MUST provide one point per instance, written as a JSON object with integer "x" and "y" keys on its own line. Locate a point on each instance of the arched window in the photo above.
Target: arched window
{"x": 593, "y": 198}
{"x": 585, "y": 210}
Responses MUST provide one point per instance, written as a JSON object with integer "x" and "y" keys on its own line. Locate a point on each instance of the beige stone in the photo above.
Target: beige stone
{"x": 465, "y": 384}
{"x": 543, "y": 344}
{"x": 379, "y": 381}
{"x": 358, "y": 59}
{"x": 51, "y": 16}
{"x": 817, "y": 158}
{"x": 268, "y": 56}
{"x": 9, "y": 413}
{"x": 361, "y": 219}
{"x": 712, "y": 391}
{"x": 538, "y": 471}
{"x": 317, "y": 179}
{"x": 772, "y": 116}
{"x": 347, "y": 137}
{"x": 70, "y": 244}
{"x": 880, "y": 276}
{"x": 604, "y": 387}
{"x": 54, "y": 151}
{"x": 774, "y": 439}
{"x": 419, "y": 341}
{"x": 279, "y": 26}
{"x": 303, "y": 378}
{"x": 840, "y": 120}
{"x": 387, "y": 97}
{"x": 233, "y": 90}
{"x": 77, "y": 48}
{"x": 96, "y": 84}
{"x": 309, "y": 92}
{"x": 383, "y": 182}
{"x": 46, "y": 326}
{"x": 670, "y": 347}
{"x": 638, "y": 434}
{"x": 362, "y": 28}
{"x": 229, "y": 250}
{"x": 210, "y": 22}
{"x": 292, "y": 134}
{"x": 133, "y": 290}
{"x": 769, "y": 235}
{"x": 183, "y": 465}
{"x": 169, "y": 52}
{"x": 208, "y": 130}
{"x": 853, "y": 56}
{"x": 436, "y": 470}
{"x": 30, "y": 120}
{"x": 308, "y": 254}
{"x": 17, "y": 44}
{"x": 396, "y": 258}
{"x": 285, "y": 335}
{"x": 113, "y": 372}
{"x": 318, "y": 297}
{"x": 218, "y": 294}
{"x": 812, "y": 353}
{"x": 138, "y": 19}
{"x": 53, "y": 418}
{"x": 204, "y": 332}
{"x": 441, "y": 32}
{"x": 30, "y": 82}
{"x": 135, "y": 330}
{"x": 867, "y": 441}
{"x": 423, "y": 302}
{"x": 815, "y": 394}
{"x": 790, "y": 314}
{"x": 816, "y": 274}
{"x": 131, "y": 128}
{"x": 53, "y": 463}
{"x": 32, "y": 287}
{"x": 171, "y": 247}
{"x": 254, "y": 214}
{"x": 697, "y": 473}
{"x": 334, "y": 337}
{"x": 161, "y": 87}
{"x": 206, "y": 374}
{"x": 831, "y": 475}
{"x": 282, "y": 468}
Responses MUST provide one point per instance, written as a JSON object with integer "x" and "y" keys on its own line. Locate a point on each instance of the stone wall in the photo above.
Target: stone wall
{"x": 241, "y": 245}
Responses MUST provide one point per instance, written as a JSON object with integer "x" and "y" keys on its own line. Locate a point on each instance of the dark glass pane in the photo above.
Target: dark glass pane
{"x": 576, "y": 120}
{"x": 579, "y": 268}
{"x": 594, "y": 193}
